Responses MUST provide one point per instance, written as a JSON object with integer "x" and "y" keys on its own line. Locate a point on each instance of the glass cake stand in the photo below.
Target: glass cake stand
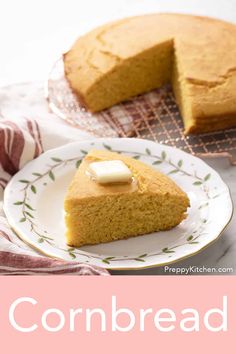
{"x": 153, "y": 116}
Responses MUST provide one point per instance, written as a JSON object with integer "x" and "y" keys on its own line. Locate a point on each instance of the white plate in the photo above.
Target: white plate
{"x": 33, "y": 203}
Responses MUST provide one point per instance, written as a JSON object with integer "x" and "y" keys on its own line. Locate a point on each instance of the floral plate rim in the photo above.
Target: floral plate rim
{"x": 105, "y": 262}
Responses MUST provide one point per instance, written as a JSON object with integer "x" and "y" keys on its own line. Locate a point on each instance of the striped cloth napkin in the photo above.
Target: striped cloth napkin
{"x": 21, "y": 140}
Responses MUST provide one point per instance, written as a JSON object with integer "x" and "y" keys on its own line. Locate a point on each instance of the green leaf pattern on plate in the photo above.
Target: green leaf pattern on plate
{"x": 28, "y": 210}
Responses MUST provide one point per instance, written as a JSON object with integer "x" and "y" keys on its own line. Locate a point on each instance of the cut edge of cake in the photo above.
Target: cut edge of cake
{"x": 199, "y": 115}
{"x": 97, "y": 214}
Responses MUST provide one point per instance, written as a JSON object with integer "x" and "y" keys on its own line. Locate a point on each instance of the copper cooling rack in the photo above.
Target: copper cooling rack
{"x": 153, "y": 116}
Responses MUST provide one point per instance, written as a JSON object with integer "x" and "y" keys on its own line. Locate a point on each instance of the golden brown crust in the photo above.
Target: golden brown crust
{"x": 79, "y": 96}
{"x": 99, "y": 64}
{"x": 214, "y": 123}
{"x": 102, "y": 213}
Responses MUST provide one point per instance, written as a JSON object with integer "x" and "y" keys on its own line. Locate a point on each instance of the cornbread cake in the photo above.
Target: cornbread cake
{"x": 101, "y": 213}
{"x": 197, "y": 55}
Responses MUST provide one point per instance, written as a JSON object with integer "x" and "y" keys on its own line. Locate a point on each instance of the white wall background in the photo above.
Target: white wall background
{"x": 34, "y": 32}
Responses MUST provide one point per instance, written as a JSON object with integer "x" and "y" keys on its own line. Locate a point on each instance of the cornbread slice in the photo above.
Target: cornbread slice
{"x": 101, "y": 213}
{"x": 135, "y": 55}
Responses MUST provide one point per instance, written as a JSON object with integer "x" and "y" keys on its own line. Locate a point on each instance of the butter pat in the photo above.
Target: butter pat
{"x": 114, "y": 171}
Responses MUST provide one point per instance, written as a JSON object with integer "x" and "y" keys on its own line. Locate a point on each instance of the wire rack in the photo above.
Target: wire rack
{"x": 153, "y": 116}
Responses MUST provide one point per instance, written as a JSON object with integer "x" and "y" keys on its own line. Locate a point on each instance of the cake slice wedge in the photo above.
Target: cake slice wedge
{"x": 98, "y": 212}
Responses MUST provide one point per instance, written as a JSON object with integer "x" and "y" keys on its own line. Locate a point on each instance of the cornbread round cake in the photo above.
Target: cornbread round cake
{"x": 98, "y": 213}
{"x": 197, "y": 55}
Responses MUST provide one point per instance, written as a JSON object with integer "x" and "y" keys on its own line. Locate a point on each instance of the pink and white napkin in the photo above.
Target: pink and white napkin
{"x": 27, "y": 129}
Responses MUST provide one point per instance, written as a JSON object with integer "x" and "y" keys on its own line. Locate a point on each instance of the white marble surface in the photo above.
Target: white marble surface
{"x": 222, "y": 253}
{"x": 37, "y": 32}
